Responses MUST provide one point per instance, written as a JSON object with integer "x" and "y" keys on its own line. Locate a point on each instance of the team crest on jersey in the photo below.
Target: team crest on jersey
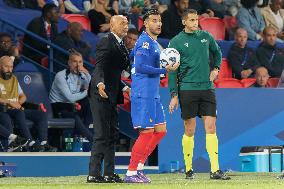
{"x": 145, "y": 45}
{"x": 203, "y": 40}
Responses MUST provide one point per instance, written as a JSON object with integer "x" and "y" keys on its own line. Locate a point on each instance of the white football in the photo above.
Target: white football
{"x": 169, "y": 56}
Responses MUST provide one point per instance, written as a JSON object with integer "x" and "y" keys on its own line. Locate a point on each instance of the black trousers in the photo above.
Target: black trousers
{"x": 18, "y": 117}
{"x": 83, "y": 118}
{"x": 105, "y": 135}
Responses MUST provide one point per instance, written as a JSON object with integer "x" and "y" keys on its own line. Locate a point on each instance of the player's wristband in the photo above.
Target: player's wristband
{"x": 173, "y": 94}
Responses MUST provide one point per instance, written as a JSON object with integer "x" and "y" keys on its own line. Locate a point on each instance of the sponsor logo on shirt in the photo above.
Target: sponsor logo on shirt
{"x": 203, "y": 40}
{"x": 186, "y": 44}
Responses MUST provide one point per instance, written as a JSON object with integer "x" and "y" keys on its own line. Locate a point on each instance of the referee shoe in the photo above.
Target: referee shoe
{"x": 219, "y": 175}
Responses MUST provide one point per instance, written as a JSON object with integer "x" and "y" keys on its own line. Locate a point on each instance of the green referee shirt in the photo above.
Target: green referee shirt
{"x": 194, "y": 70}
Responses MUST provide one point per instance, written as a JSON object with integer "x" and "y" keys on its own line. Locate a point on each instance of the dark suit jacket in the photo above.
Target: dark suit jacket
{"x": 111, "y": 59}
{"x": 37, "y": 27}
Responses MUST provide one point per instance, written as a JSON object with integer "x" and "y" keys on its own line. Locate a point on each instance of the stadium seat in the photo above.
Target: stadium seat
{"x": 32, "y": 83}
{"x": 78, "y": 18}
{"x": 225, "y": 70}
{"x": 272, "y": 82}
{"x": 230, "y": 26}
{"x": 228, "y": 83}
{"x": 213, "y": 25}
{"x": 248, "y": 82}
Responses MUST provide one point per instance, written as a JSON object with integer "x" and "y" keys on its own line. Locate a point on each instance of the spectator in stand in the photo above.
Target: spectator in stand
{"x": 203, "y": 7}
{"x": 8, "y": 49}
{"x": 126, "y": 7}
{"x": 261, "y": 76}
{"x": 71, "y": 40}
{"x": 12, "y": 95}
{"x": 129, "y": 41}
{"x": 100, "y": 15}
{"x": 44, "y": 27}
{"x": 58, "y": 3}
{"x": 239, "y": 54}
{"x": 115, "y": 5}
{"x": 219, "y": 8}
{"x": 131, "y": 38}
{"x": 233, "y": 6}
{"x": 171, "y": 19}
{"x": 273, "y": 16}
{"x": 69, "y": 87}
{"x": 268, "y": 54}
{"x": 77, "y": 6}
{"x": 250, "y": 18}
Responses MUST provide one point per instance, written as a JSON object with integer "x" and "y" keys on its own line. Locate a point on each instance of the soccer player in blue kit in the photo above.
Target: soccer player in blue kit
{"x": 146, "y": 109}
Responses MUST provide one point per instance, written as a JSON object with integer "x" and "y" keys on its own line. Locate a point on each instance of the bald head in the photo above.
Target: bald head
{"x": 262, "y": 76}
{"x": 6, "y": 67}
{"x": 119, "y": 25}
{"x": 6, "y": 59}
{"x": 241, "y": 31}
{"x": 75, "y": 30}
{"x": 241, "y": 37}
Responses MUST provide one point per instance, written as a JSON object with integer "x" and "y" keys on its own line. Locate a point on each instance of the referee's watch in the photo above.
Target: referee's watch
{"x": 173, "y": 94}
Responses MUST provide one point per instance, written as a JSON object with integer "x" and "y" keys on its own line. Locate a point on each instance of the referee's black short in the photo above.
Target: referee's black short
{"x": 197, "y": 103}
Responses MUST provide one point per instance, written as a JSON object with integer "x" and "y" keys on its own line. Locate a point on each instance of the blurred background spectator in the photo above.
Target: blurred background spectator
{"x": 7, "y": 48}
{"x": 99, "y": 15}
{"x": 45, "y": 27}
{"x": 77, "y": 6}
{"x": 273, "y": 16}
{"x": 261, "y": 76}
{"x": 71, "y": 40}
{"x": 239, "y": 54}
{"x": 172, "y": 19}
{"x": 250, "y": 18}
{"x": 58, "y": 3}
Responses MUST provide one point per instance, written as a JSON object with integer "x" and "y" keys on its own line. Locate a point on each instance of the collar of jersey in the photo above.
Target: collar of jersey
{"x": 149, "y": 36}
{"x": 192, "y": 33}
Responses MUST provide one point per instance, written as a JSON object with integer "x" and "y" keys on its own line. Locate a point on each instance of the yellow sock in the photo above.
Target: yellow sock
{"x": 187, "y": 146}
{"x": 212, "y": 149}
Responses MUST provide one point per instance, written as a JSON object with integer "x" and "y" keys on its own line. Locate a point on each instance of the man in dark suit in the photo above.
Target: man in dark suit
{"x": 105, "y": 92}
{"x": 45, "y": 27}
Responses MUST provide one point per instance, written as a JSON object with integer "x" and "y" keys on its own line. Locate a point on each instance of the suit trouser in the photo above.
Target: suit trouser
{"x": 105, "y": 134}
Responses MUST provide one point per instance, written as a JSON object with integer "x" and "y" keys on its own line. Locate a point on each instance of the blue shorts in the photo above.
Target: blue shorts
{"x": 146, "y": 112}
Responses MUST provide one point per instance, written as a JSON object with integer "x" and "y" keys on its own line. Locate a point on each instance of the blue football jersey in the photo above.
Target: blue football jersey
{"x": 145, "y": 72}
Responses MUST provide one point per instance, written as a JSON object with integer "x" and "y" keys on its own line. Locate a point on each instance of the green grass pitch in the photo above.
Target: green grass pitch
{"x": 163, "y": 181}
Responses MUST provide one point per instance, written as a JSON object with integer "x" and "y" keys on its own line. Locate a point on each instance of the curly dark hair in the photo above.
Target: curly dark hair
{"x": 249, "y": 3}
